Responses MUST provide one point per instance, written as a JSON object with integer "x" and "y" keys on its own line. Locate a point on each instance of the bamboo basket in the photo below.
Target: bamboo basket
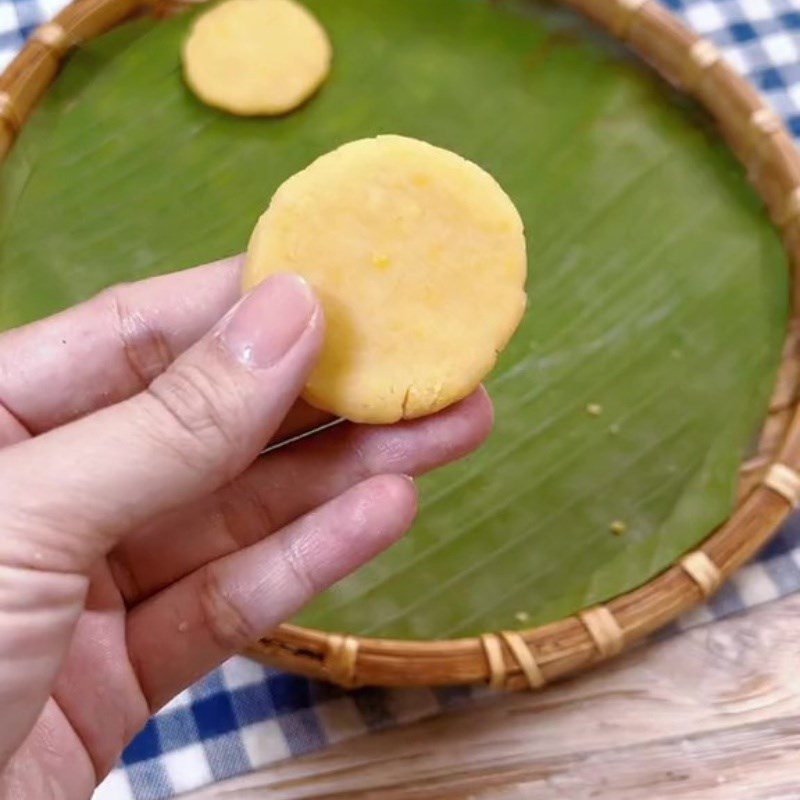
{"x": 769, "y": 482}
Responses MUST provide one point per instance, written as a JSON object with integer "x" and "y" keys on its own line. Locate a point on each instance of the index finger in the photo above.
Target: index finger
{"x": 111, "y": 347}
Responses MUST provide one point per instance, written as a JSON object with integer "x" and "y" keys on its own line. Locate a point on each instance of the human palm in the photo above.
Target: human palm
{"x": 142, "y": 539}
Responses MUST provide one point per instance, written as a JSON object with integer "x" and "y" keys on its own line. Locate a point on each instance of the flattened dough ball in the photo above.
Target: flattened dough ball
{"x": 256, "y": 56}
{"x": 418, "y": 257}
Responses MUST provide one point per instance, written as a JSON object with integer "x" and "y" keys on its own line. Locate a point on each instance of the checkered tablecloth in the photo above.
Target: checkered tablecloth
{"x": 244, "y": 716}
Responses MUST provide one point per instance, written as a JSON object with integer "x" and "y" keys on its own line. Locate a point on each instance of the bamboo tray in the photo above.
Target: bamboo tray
{"x": 769, "y": 483}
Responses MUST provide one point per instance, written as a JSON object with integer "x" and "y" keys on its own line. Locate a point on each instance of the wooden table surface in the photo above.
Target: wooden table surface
{"x": 712, "y": 713}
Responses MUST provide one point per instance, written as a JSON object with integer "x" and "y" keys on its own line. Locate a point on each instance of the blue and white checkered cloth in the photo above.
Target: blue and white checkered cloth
{"x": 243, "y": 716}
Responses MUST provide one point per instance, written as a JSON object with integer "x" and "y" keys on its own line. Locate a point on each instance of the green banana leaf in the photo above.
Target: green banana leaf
{"x": 658, "y": 289}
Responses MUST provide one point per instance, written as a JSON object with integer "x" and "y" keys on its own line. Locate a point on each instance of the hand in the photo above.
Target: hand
{"x": 142, "y": 542}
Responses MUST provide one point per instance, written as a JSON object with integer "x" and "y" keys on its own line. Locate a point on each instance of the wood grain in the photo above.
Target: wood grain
{"x": 712, "y": 713}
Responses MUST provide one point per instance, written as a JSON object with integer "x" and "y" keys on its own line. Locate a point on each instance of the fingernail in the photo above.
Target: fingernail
{"x": 264, "y": 327}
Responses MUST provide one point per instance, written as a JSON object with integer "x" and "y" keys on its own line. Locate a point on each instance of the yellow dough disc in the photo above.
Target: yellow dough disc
{"x": 418, "y": 257}
{"x": 256, "y": 56}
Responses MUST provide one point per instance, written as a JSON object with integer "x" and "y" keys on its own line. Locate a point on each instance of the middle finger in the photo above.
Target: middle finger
{"x": 288, "y": 483}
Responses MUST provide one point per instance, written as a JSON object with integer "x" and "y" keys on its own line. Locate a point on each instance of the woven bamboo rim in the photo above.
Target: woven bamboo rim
{"x": 769, "y": 485}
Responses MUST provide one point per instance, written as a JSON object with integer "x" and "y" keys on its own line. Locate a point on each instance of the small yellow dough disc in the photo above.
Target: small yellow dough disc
{"x": 418, "y": 257}
{"x": 256, "y": 56}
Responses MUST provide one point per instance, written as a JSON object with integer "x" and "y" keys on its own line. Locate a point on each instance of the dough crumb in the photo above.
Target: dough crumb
{"x": 618, "y": 527}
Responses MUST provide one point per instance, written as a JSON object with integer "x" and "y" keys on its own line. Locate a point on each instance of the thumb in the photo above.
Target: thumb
{"x": 69, "y": 495}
